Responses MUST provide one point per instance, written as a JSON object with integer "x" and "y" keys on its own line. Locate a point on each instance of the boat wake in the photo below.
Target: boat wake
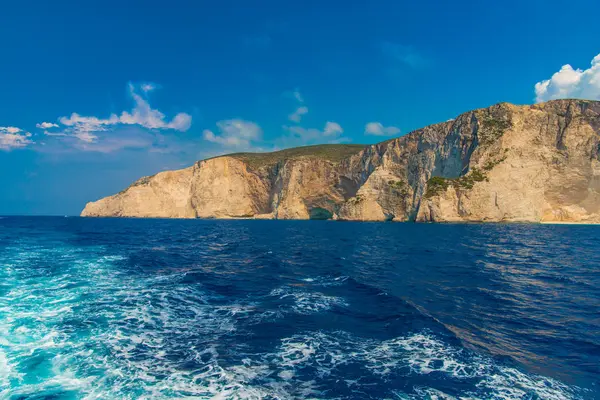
{"x": 84, "y": 326}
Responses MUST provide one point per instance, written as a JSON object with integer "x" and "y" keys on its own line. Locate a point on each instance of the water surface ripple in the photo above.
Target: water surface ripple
{"x": 156, "y": 309}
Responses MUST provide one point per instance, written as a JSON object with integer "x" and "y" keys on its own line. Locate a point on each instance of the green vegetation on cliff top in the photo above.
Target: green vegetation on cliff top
{"x": 330, "y": 152}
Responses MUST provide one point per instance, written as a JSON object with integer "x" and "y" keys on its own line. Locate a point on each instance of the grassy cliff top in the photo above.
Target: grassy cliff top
{"x": 330, "y": 152}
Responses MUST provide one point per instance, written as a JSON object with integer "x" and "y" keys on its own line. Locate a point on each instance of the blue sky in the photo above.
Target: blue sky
{"x": 95, "y": 94}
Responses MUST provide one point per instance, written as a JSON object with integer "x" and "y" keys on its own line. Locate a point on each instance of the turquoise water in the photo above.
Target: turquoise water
{"x": 151, "y": 309}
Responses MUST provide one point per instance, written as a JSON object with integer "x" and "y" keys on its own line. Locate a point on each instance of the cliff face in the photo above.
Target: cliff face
{"x": 504, "y": 163}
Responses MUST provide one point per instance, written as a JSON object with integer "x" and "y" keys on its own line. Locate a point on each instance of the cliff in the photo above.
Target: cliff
{"x": 536, "y": 163}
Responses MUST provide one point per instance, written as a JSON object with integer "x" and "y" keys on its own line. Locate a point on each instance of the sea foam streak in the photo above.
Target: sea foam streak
{"x": 80, "y": 326}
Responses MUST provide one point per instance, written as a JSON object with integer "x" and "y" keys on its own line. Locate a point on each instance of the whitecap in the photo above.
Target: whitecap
{"x": 307, "y": 302}
{"x": 151, "y": 326}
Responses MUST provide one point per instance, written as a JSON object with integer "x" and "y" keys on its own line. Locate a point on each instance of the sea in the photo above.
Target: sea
{"x": 250, "y": 309}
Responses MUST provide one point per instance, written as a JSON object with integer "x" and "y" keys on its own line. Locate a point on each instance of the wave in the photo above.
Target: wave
{"x": 82, "y": 327}
{"x": 334, "y": 280}
{"x": 304, "y": 302}
{"x": 418, "y": 354}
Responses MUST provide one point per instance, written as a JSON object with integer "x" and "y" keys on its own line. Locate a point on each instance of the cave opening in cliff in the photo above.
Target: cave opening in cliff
{"x": 320, "y": 213}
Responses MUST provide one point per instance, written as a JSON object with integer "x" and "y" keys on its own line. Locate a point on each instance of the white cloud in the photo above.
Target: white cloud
{"x": 148, "y": 87}
{"x": 13, "y": 138}
{"x": 296, "y": 116}
{"x": 377, "y": 129}
{"x": 82, "y": 127}
{"x": 571, "y": 83}
{"x": 85, "y": 128}
{"x": 332, "y": 129}
{"x": 46, "y": 125}
{"x": 144, "y": 115}
{"x": 181, "y": 122}
{"x": 301, "y": 110}
{"x": 235, "y": 133}
{"x": 9, "y": 129}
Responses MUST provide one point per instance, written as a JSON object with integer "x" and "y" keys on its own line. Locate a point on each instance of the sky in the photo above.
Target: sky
{"x": 95, "y": 94}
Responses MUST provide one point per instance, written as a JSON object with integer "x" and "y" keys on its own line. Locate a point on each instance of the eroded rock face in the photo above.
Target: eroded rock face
{"x": 543, "y": 167}
{"x": 225, "y": 188}
{"x": 166, "y": 194}
{"x": 503, "y": 163}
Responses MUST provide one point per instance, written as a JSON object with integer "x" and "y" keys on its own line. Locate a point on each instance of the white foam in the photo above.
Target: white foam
{"x": 433, "y": 394}
{"x": 150, "y": 324}
{"x": 308, "y": 302}
{"x": 6, "y": 370}
{"x": 419, "y": 354}
{"x": 509, "y": 383}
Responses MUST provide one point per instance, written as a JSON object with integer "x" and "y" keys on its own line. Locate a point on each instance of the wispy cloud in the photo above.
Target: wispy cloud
{"x": 13, "y": 138}
{"x": 405, "y": 55}
{"x": 243, "y": 135}
{"x": 294, "y": 95}
{"x": 301, "y": 109}
{"x": 300, "y": 136}
{"x": 298, "y": 96}
{"x": 571, "y": 83}
{"x": 235, "y": 133}
{"x": 377, "y": 129}
{"x": 142, "y": 114}
{"x": 124, "y": 138}
{"x": 88, "y": 129}
{"x": 296, "y": 116}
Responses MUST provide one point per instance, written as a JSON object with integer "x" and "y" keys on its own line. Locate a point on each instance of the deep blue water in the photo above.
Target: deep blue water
{"x": 151, "y": 309}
